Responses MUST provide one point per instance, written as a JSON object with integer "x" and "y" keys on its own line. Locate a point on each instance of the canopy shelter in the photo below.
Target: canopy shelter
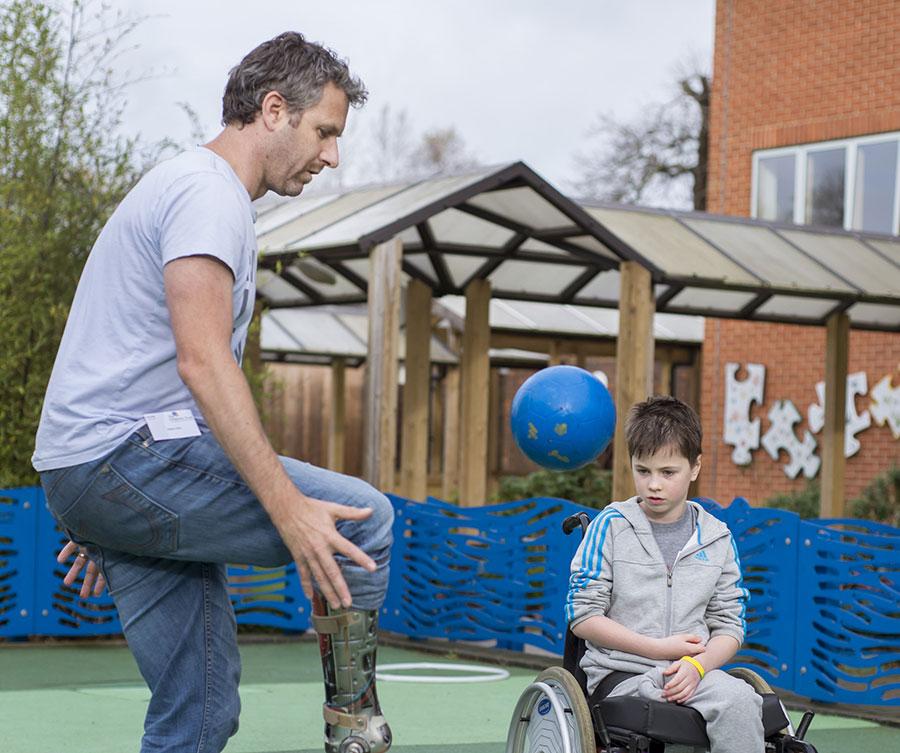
{"x": 506, "y": 233}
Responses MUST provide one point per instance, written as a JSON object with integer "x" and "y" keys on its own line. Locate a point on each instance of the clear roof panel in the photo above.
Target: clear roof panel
{"x": 317, "y": 331}
{"x": 454, "y": 226}
{"x": 523, "y": 205}
{"x": 709, "y": 300}
{"x": 352, "y": 227}
{"x": 790, "y": 306}
{"x": 272, "y": 336}
{"x": 277, "y": 290}
{"x": 313, "y": 273}
{"x": 552, "y": 317}
{"x": 890, "y": 249}
{"x": 604, "y": 287}
{"x": 767, "y": 255}
{"x": 287, "y": 211}
{"x": 461, "y": 268}
{"x": 423, "y": 264}
{"x": 531, "y": 316}
{"x": 545, "y": 248}
{"x": 533, "y": 277}
{"x": 851, "y": 259}
{"x": 589, "y": 243}
{"x": 671, "y": 246}
{"x": 287, "y": 235}
{"x": 873, "y": 314}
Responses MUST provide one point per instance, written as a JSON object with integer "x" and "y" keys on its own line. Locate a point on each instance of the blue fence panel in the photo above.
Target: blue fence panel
{"x": 767, "y": 546}
{"x": 848, "y": 612}
{"x": 18, "y": 515}
{"x": 268, "y": 596}
{"x": 59, "y": 610}
{"x": 488, "y": 573}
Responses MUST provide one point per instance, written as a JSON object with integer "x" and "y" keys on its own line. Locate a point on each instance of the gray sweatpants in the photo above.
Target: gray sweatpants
{"x": 732, "y": 709}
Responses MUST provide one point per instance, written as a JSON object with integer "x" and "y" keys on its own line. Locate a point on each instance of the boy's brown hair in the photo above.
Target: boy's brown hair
{"x": 662, "y": 421}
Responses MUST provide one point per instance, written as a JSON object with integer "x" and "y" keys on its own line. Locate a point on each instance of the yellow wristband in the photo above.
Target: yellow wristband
{"x": 698, "y": 665}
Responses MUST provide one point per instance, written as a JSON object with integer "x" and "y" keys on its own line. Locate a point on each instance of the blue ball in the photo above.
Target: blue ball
{"x": 563, "y": 417}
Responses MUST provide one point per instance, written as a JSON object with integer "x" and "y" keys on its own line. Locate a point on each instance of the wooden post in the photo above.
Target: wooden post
{"x": 634, "y": 362}
{"x": 336, "y": 417}
{"x": 553, "y": 353}
{"x": 837, "y": 348}
{"x": 475, "y": 377}
{"x": 450, "y": 479}
{"x": 416, "y": 392}
{"x": 380, "y": 439}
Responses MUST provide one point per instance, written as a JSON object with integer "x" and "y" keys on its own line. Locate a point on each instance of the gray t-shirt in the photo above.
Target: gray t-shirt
{"x": 671, "y": 537}
{"x": 117, "y": 360}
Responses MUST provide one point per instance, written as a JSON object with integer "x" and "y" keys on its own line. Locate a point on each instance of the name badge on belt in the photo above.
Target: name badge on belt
{"x": 173, "y": 424}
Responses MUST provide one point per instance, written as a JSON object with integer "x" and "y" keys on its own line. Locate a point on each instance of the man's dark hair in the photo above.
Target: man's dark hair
{"x": 660, "y": 422}
{"x": 298, "y": 70}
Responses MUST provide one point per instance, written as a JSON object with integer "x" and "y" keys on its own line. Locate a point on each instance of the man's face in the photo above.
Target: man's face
{"x": 662, "y": 481}
{"x": 303, "y": 145}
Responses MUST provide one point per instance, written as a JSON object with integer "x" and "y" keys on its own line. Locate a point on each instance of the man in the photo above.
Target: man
{"x": 150, "y": 449}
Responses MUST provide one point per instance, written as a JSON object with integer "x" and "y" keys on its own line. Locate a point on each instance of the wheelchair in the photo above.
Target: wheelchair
{"x": 555, "y": 713}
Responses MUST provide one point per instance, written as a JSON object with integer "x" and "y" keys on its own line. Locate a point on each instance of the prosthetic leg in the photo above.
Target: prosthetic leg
{"x": 347, "y": 642}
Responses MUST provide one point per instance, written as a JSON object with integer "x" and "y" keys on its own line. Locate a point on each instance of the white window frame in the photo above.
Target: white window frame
{"x": 800, "y": 153}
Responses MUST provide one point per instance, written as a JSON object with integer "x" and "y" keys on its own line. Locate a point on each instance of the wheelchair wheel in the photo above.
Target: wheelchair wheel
{"x": 751, "y": 678}
{"x": 760, "y": 686}
{"x": 551, "y": 716}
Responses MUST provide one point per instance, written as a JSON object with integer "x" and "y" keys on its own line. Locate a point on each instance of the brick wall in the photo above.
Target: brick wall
{"x": 794, "y": 358}
{"x": 787, "y": 72}
{"x": 792, "y": 71}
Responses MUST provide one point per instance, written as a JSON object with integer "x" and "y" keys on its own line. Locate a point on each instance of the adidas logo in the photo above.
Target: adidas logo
{"x": 701, "y": 555}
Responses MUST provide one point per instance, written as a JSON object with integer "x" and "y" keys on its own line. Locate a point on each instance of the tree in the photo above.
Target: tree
{"x": 62, "y": 171}
{"x": 660, "y": 157}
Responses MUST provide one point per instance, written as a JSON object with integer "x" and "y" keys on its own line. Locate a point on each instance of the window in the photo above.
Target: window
{"x": 776, "y": 188}
{"x": 852, "y": 184}
{"x": 825, "y": 187}
{"x": 876, "y": 187}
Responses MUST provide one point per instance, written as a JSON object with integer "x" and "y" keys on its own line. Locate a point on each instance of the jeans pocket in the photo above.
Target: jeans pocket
{"x": 113, "y": 513}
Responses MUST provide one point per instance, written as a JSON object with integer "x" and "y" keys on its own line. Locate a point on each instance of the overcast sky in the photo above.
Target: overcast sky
{"x": 518, "y": 79}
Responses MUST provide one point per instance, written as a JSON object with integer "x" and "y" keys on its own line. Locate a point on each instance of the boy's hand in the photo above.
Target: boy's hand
{"x": 676, "y": 646}
{"x": 684, "y": 682}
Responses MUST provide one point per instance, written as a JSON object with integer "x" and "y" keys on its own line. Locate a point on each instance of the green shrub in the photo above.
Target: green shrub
{"x": 590, "y": 486}
{"x": 880, "y": 500}
{"x": 805, "y": 503}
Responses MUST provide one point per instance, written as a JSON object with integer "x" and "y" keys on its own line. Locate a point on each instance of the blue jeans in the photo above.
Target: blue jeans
{"x": 161, "y": 519}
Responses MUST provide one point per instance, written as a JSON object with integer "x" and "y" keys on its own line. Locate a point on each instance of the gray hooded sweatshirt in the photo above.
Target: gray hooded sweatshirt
{"x": 618, "y": 571}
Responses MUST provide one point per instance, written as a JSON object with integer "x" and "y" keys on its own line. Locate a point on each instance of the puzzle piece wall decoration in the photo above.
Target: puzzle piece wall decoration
{"x": 857, "y": 384}
{"x": 885, "y": 405}
{"x": 740, "y": 431}
{"x": 780, "y": 436}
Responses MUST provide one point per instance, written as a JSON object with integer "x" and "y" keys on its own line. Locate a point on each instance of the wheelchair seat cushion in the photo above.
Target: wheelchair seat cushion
{"x": 672, "y": 723}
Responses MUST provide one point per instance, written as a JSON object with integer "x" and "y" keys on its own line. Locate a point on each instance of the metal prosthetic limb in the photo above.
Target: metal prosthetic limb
{"x": 347, "y": 643}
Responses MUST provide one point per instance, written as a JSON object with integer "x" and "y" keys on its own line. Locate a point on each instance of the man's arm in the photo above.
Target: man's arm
{"x": 198, "y": 295}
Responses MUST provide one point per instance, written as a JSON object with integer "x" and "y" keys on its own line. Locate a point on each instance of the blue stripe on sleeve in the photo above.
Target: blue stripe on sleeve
{"x": 591, "y": 557}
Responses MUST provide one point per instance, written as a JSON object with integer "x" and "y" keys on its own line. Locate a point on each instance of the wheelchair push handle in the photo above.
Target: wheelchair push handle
{"x": 573, "y": 521}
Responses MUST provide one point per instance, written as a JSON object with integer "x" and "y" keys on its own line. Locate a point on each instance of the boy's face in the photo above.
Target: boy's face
{"x": 662, "y": 481}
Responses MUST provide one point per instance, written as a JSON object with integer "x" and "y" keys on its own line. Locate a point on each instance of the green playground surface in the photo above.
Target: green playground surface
{"x": 90, "y": 698}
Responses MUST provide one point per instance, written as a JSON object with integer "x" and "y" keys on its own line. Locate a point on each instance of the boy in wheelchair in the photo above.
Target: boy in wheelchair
{"x": 655, "y": 588}
{"x": 655, "y": 596}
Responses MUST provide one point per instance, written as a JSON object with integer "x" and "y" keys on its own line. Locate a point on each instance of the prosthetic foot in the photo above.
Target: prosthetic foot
{"x": 347, "y": 642}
